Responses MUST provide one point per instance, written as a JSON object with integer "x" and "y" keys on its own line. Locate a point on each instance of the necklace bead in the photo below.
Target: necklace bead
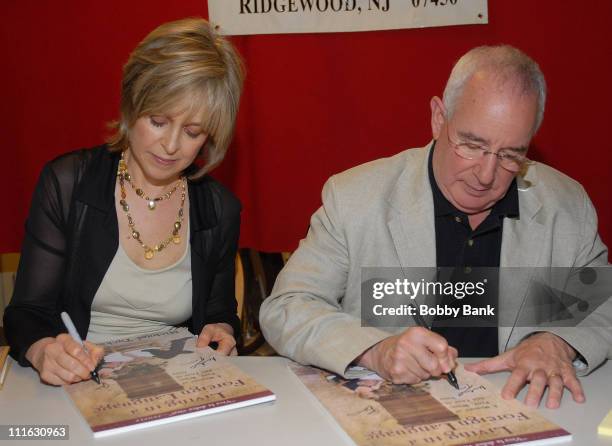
{"x": 149, "y": 253}
{"x": 151, "y": 202}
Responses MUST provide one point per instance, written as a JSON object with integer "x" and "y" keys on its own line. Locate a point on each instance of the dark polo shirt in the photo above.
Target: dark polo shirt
{"x": 464, "y": 249}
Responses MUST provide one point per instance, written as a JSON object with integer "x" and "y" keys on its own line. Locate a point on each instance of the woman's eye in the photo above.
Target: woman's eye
{"x": 157, "y": 121}
{"x": 193, "y": 133}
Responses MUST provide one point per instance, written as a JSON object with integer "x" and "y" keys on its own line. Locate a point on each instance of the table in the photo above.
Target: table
{"x": 295, "y": 418}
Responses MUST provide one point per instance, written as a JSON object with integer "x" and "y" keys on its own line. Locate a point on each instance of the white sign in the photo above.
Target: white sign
{"x": 236, "y": 17}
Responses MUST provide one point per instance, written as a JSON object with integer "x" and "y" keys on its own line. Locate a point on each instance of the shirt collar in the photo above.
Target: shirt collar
{"x": 508, "y": 206}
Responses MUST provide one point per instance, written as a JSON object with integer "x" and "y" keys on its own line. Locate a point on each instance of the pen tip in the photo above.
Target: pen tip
{"x": 452, "y": 379}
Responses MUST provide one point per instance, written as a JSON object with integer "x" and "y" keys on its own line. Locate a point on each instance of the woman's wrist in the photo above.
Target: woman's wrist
{"x": 34, "y": 353}
{"x": 226, "y": 327}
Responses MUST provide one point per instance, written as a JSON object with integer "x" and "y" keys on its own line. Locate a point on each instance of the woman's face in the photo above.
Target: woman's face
{"x": 163, "y": 145}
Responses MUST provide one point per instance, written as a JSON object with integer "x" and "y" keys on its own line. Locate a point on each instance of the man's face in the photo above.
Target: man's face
{"x": 486, "y": 115}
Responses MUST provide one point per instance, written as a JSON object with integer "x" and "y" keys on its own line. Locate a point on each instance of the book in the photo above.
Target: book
{"x": 605, "y": 427}
{"x": 157, "y": 379}
{"x": 375, "y": 412}
{"x": 5, "y": 362}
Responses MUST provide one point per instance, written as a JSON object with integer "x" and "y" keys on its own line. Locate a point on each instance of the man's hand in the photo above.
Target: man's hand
{"x": 410, "y": 357}
{"x": 221, "y": 333}
{"x": 62, "y": 360}
{"x": 541, "y": 360}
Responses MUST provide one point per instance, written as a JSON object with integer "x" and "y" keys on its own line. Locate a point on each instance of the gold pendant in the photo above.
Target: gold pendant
{"x": 151, "y": 205}
{"x": 176, "y": 239}
{"x": 149, "y": 254}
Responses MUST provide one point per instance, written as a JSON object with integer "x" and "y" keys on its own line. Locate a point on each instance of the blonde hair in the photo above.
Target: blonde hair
{"x": 180, "y": 61}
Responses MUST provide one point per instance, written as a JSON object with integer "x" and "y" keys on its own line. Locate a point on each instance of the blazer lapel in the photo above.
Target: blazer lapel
{"x": 411, "y": 222}
{"x": 411, "y": 217}
{"x": 521, "y": 250}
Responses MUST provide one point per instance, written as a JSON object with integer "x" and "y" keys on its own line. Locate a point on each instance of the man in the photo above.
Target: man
{"x": 470, "y": 198}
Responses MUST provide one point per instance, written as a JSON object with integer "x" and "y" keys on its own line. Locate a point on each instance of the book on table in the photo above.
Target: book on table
{"x": 605, "y": 427}
{"x": 375, "y": 412}
{"x": 157, "y": 379}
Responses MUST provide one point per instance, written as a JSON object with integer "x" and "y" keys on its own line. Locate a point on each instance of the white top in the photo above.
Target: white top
{"x": 133, "y": 301}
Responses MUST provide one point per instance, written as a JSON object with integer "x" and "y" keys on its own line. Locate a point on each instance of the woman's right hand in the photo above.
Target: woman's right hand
{"x": 62, "y": 360}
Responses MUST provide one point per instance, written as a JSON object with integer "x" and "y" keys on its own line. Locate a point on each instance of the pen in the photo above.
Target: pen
{"x": 75, "y": 335}
{"x": 450, "y": 376}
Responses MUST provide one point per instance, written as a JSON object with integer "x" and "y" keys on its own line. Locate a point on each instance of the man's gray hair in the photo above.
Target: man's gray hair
{"x": 510, "y": 63}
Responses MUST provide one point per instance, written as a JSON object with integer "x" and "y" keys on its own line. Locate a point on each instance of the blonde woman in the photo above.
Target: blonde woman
{"x": 133, "y": 237}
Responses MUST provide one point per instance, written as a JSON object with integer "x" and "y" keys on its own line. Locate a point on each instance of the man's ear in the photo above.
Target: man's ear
{"x": 438, "y": 115}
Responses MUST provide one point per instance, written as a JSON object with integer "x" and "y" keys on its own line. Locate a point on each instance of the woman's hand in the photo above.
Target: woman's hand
{"x": 222, "y": 334}
{"x": 62, "y": 360}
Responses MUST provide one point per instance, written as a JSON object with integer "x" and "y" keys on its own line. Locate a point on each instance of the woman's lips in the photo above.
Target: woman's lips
{"x": 164, "y": 161}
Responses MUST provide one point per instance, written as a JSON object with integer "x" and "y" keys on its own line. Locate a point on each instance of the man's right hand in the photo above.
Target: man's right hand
{"x": 62, "y": 360}
{"x": 410, "y": 357}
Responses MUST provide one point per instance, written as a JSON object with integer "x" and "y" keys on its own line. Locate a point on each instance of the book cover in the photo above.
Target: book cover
{"x": 374, "y": 412}
{"x": 151, "y": 380}
{"x": 4, "y": 363}
{"x": 605, "y": 427}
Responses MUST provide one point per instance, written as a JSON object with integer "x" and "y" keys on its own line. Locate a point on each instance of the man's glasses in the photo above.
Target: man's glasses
{"x": 508, "y": 159}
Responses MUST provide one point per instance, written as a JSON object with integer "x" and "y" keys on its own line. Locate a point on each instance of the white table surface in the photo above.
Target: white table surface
{"x": 295, "y": 419}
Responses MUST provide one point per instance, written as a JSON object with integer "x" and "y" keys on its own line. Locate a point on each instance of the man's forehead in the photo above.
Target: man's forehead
{"x": 491, "y": 118}
{"x": 496, "y": 85}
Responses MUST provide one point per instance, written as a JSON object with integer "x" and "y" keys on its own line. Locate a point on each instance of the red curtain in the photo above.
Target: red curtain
{"x": 313, "y": 105}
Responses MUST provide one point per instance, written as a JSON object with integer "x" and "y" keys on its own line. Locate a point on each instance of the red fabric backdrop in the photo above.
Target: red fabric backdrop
{"x": 313, "y": 105}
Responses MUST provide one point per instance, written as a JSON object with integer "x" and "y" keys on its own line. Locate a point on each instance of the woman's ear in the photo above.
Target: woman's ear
{"x": 202, "y": 151}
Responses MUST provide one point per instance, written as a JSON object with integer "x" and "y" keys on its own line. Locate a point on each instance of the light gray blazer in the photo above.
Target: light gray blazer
{"x": 380, "y": 214}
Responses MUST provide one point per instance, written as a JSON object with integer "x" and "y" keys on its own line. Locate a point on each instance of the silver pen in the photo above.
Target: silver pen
{"x": 72, "y": 331}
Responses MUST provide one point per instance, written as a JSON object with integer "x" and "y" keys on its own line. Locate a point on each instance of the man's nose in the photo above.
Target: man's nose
{"x": 486, "y": 169}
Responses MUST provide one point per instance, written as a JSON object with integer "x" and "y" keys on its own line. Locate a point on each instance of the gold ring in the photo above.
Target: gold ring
{"x": 553, "y": 374}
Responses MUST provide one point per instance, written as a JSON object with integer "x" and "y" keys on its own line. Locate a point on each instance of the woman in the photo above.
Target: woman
{"x": 131, "y": 237}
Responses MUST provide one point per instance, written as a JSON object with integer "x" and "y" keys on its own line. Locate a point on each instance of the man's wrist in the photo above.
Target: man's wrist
{"x": 365, "y": 359}
{"x": 571, "y": 353}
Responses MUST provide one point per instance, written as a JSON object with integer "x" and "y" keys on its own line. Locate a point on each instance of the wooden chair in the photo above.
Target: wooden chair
{"x": 8, "y": 272}
{"x": 255, "y": 275}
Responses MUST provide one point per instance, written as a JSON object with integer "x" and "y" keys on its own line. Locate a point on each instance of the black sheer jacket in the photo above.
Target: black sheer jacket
{"x": 72, "y": 236}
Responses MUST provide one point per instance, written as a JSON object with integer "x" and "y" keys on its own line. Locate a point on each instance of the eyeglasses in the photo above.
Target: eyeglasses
{"x": 508, "y": 159}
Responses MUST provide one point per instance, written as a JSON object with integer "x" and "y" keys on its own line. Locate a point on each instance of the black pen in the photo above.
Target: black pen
{"x": 450, "y": 376}
{"x": 75, "y": 335}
